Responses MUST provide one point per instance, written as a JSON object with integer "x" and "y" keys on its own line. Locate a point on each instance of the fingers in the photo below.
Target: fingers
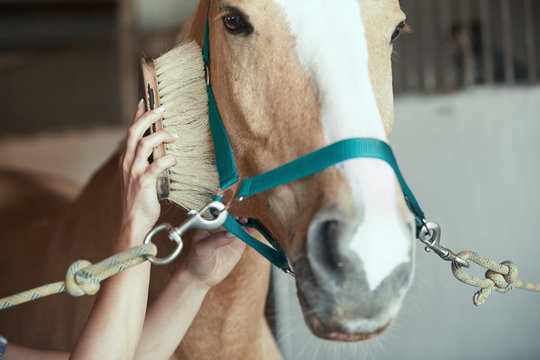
{"x": 138, "y": 113}
{"x": 213, "y": 257}
{"x": 143, "y": 122}
{"x": 238, "y": 245}
{"x": 201, "y": 234}
{"x": 140, "y": 110}
{"x": 138, "y": 128}
{"x": 207, "y": 244}
{"x": 145, "y": 147}
{"x": 158, "y": 166}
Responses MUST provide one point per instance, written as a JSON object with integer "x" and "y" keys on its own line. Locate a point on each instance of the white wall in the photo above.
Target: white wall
{"x": 472, "y": 160}
{"x": 161, "y": 14}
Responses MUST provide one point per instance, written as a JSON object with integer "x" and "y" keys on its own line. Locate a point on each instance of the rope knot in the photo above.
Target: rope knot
{"x": 83, "y": 278}
{"x": 501, "y": 277}
{"x": 80, "y": 282}
{"x": 504, "y": 281}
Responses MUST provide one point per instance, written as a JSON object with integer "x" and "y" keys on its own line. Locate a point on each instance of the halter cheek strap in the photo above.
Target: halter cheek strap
{"x": 222, "y": 147}
{"x": 309, "y": 164}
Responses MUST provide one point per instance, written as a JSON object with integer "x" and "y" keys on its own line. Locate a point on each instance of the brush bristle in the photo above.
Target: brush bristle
{"x": 182, "y": 92}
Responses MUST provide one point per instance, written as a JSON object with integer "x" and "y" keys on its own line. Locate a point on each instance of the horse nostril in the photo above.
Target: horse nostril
{"x": 324, "y": 250}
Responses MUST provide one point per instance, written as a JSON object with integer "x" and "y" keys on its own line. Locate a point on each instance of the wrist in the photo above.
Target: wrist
{"x": 129, "y": 235}
{"x": 186, "y": 280}
{"x": 136, "y": 220}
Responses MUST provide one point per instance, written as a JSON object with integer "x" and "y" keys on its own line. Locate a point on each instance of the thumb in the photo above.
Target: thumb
{"x": 237, "y": 245}
{"x": 206, "y": 247}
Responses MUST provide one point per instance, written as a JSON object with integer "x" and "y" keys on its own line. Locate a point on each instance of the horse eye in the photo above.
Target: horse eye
{"x": 236, "y": 24}
{"x": 397, "y": 32}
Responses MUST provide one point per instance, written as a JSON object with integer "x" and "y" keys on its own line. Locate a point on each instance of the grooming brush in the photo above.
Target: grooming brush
{"x": 176, "y": 81}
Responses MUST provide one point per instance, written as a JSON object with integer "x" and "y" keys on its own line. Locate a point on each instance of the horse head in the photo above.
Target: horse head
{"x": 291, "y": 77}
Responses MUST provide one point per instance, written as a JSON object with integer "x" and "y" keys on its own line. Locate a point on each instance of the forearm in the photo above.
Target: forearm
{"x": 170, "y": 316}
{"x": 115, "y": 323}
{"x": 16, "y": 352}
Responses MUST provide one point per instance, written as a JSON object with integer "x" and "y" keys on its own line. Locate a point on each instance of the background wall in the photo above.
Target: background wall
{"x": 156, "y": 15}
{"x": 76, "y": 61}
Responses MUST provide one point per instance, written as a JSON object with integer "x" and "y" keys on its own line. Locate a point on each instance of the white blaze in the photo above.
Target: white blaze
{"x": 331, "y": 45}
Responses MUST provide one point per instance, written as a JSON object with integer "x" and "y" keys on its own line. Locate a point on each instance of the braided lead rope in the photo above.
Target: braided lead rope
{"x": 84, "y": 278}
{"x": 501, "y": 277}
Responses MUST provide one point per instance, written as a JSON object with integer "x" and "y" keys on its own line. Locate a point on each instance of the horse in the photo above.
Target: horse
{"x": 289, "y": 77}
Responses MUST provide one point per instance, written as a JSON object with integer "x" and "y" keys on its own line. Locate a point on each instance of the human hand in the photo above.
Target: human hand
{"x": 213, "y": 255}
{"x": 140, "y": 205}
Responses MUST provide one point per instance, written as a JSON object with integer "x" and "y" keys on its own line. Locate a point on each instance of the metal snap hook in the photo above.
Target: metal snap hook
{"x": 430, "y": 235}
{"x": 290, "y": 272}
{"x": 195, "y": 220}
{"x": 173, "y": 236}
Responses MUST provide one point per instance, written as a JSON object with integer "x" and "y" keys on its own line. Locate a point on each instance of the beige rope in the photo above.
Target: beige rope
{"x": 83, "y": 278}
{"x": 501, "y": 277}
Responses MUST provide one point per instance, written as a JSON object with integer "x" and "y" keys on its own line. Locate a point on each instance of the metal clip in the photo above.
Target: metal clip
{"x": 207, "y": 74}
{"x": 430, "y": 235}
{"x": 195, "y": 220}
{"x": 289, "y": 272}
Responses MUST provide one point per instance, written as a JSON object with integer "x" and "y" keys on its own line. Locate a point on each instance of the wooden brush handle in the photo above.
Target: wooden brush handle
{"x": 151, "y": 93}
{"x": 150, "y": 85}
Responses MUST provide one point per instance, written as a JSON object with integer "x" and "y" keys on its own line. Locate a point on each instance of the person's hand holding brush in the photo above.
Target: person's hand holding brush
{"x": 117, "y": 327}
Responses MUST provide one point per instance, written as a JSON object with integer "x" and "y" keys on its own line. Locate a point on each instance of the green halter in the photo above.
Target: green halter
{"x": 309, "y": 164}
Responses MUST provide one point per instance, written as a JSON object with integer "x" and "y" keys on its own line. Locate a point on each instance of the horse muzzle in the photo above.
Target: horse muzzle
{"x": 341, "y": 299}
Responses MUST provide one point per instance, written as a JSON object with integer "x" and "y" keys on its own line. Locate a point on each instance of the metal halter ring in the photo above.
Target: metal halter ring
{"x": 195, "y": 220}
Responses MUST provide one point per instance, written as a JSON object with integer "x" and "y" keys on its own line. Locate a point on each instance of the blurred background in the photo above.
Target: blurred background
{"x": 466, "y": 137}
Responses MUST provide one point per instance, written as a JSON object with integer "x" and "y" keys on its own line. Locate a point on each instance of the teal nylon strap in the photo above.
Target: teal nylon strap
{"x": 259, "y": 226}
{"x": 324, "y": 158}
{"x": 275, "y": 256}
{"x": 222, "y": 147}
{"x": 226, "y": 168}
{"x": 206, "y": 40}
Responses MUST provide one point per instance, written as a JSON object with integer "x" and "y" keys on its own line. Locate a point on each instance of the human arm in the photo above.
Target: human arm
{"x": 114, "y": 326}
{"x": 17, "y": 352}
{"x": 212, "y": 257}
